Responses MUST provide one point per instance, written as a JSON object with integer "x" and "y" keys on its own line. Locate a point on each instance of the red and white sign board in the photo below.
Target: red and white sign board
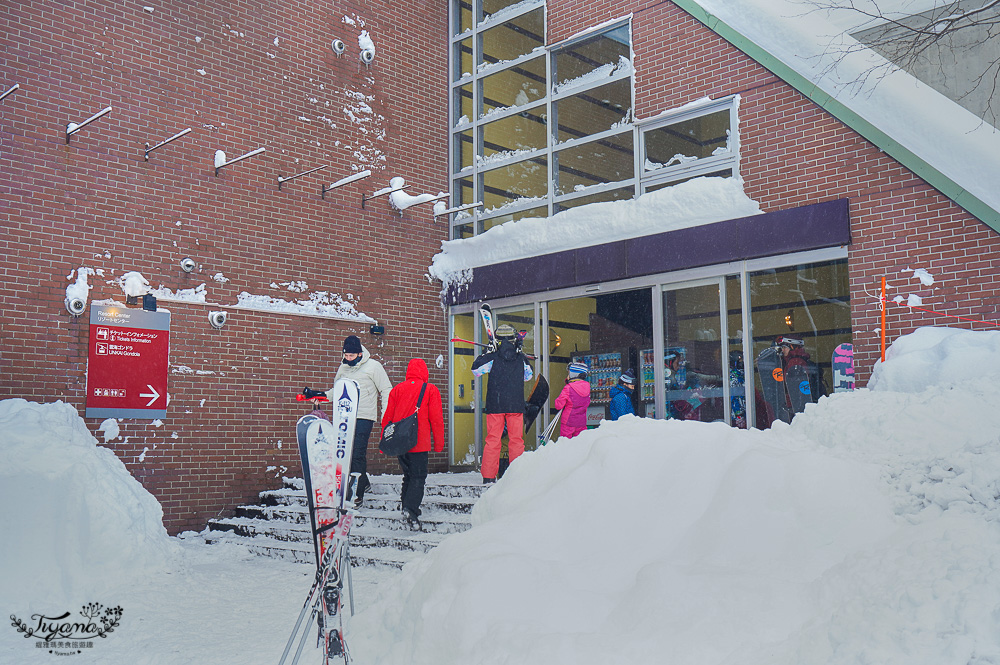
{"x": 127, "y": 363}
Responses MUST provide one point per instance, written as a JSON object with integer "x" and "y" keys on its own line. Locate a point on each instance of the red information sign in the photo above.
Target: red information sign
{"x": 127, "y": 363}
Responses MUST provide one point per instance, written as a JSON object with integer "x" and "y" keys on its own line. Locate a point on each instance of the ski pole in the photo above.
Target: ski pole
{"x": 322, "y": 575}
{"x": 302, "y": 640}
{"x": 298, "y": 623}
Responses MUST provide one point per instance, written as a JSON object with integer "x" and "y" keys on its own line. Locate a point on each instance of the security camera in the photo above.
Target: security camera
{"x": 367, "y": 56}
{"x": 188, "y": 264}
{"x": 338, "y": 47}
{"x": 75, "y": 306}
{"x": 217, "y": 319}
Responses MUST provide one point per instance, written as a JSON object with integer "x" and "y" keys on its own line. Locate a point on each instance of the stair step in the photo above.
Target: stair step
{"x": 279, "y": 527}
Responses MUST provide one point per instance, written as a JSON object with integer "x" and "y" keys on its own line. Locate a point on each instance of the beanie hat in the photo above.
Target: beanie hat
{"x": 576, "y": 369}
{"x": 505, "y": 331}
{"x": 628, "y": 377}
{"x": 352, "y": 344}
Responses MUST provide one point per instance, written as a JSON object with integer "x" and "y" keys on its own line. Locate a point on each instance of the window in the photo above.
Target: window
{"x": 536, "y": 129}
{"x": 690, "y": 143}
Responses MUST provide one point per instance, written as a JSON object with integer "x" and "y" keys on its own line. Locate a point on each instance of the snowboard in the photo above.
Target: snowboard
{"x": 536, "y": 401}
{"x": 798, "y": 385}
{"x": 843, "y": 368}
{"x": 772, "y": 382}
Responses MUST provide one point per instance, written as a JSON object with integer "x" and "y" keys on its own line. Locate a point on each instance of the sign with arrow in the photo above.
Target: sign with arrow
{"x": 127, "y": 362}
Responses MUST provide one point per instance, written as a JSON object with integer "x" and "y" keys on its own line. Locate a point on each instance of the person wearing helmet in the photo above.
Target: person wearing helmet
{"x": 508, "y": 369}
{"x": 574, "y": 400}
{"x": 621, "y": 396}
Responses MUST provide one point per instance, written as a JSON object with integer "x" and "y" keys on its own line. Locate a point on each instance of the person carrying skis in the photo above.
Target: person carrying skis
{"x": 574, "y": 401}
{"x": 621, "y": 395}
{"x": 373, "y": 383}
{"x": 508, "y": 369}
{"x": 430, "y": 424}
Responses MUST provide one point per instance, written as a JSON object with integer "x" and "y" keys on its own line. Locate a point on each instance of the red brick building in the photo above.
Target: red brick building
{"x": 496, "y": 102}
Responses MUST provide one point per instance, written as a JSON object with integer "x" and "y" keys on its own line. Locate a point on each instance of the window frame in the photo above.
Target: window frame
{"x": 700, "y": 166}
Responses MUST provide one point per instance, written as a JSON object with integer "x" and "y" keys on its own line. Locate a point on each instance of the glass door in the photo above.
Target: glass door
{"x": 695, "y": 351}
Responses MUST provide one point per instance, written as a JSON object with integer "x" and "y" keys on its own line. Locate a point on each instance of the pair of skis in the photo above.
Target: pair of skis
{"x": 325, "y": 446}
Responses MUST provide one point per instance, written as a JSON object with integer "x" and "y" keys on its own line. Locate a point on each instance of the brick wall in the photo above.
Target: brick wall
{"x": 794, "y": 153}
{"x": 270, "y": 80}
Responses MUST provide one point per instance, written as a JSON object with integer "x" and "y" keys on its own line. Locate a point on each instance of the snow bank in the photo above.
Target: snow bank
{"x": 692, "y": 203}
{"x": 75, "y": 522}
{"x": 865, "y": 531}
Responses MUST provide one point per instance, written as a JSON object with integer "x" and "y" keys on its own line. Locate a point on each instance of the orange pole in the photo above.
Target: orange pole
{"x": 883, "y": 318}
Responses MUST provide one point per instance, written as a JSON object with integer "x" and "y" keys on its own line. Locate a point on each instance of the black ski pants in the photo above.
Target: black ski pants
{"x": 414, "y": 476}
{"x": 359, "y": 454}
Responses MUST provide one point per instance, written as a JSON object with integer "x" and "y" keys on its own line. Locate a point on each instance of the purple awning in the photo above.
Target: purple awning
{"x": 814, "y": 226}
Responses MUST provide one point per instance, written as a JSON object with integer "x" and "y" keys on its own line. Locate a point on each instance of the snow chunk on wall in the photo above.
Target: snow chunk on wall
{"x": 84, "y": 524}
{"x": 692, "y": 203}
{"x": 320, "y": 303}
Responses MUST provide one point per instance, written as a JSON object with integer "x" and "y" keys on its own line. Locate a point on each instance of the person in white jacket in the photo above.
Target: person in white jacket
{"x": 373, "y": 383}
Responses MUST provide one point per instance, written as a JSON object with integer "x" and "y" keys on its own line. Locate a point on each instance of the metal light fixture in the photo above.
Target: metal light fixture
{"x": 790, "y": 319}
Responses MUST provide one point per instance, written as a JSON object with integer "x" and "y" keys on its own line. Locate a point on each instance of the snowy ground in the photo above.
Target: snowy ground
{"x": 865, "y": 532}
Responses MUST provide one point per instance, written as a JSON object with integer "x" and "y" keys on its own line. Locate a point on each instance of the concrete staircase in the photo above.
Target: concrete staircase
{"x": 279, "y": 525}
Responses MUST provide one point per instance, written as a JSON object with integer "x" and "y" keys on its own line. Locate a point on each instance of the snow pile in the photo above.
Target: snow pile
{"x": 866, "y": 531}
{"x": 75, "y": 522}
{"x": 692, "y": 203}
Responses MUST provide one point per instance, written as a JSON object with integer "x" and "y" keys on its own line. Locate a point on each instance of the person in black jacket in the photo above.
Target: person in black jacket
{"x": 508, "y": 370}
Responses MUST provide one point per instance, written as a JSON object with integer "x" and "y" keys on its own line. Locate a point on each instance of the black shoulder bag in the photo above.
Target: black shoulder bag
{"x": 399, "y": 438}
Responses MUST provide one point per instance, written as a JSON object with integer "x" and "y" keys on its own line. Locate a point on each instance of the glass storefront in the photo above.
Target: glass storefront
{"x": 695, "y": 345}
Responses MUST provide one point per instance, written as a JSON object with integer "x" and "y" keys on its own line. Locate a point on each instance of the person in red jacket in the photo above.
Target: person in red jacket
{"x": 430, "y": 424}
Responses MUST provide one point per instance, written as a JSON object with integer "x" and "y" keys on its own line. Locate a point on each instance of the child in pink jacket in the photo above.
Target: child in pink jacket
{"x": 574, "y": 400}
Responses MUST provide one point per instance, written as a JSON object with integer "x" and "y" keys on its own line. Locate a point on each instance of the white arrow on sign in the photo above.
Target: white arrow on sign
{"x": 155, "y": 395}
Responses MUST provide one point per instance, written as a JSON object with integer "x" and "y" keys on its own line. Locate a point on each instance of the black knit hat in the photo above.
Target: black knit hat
{"x": 352, "y": 344}
{"x": 628, "y": 377}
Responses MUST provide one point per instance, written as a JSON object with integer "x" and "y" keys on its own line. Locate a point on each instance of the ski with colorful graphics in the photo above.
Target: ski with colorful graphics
{"x": 486, "y": 313}
{"x": 325, "y": 445}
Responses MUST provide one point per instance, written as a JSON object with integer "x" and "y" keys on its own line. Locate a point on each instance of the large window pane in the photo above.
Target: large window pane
{"x": 512, "y": 39}
{"x": 491, "y": 7}
{"x": 524, "y": 131}
{"x": 462, "y": 105}
{"x": 594, "y": 163}
{"x": 687, "y": 141}
{"x": 809, "y": 303}
{"x": 527, "y": 179}
{"x": 521, "y": 214}
{"x": 610, "y": 333}
{"x": 692, "y": 346}
{"x": 726, "y": 173}
{"x": 463, "y": 16}
{"x": 515, "y": 86}
{"x": 620, "y": 194}
{"x": 593, "y": 111}
{"x": 603, "y": 52}
{"x": 463, "y": 58}
{"x": 465, "y": 149}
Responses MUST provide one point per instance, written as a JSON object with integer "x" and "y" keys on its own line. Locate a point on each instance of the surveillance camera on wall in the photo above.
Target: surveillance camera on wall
{"x": 338, "y": 47}
{"x": 217, "y": 319}
{"x": 188, "y": 264}
{"x": 367, "y": 56}
{"x": 75, "y": 306}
